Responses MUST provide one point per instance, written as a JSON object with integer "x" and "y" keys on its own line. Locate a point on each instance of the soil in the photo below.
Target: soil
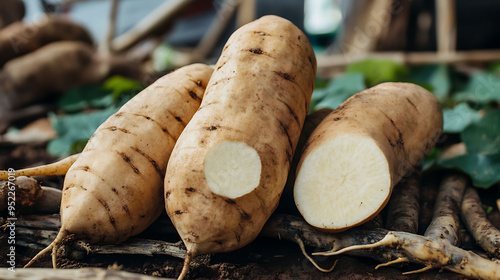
{"x": 262, "y": 259}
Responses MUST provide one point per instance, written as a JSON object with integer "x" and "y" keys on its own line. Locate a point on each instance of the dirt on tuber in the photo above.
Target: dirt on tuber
{"x": 230, "y": 165}
{"x": 114, "y": 189}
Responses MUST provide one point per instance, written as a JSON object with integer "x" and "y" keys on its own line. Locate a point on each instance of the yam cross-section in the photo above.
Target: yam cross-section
{"x": 359, "y": 152}
{"x": 230, "y": 164}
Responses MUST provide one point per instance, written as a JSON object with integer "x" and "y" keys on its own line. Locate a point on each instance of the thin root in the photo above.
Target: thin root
{"x": 416, "y": 248}
{"x": 303, "y": 249}
{"x": 85, "y": 246}
{"x": 398, "y": 260}
{"x": 52, "y": 246}
{"x": 428, "y": 267}
{"x": 387, "y": 240}
{"x": 187, "y": 262}
{"x": 57, "y": 168}
{"x": 54, "y": 256}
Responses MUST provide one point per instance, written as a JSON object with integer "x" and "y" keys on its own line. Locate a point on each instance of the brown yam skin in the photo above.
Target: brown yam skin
{"x": 11, "y": 11}
{"x": 259, "y": 95}
{"x": 403, "y": 118}
{"x": 53, "y": 68}
{"x": 484, "y": 232}
{"x": 20, "y": 38}
{"x": 58, "y": 67}
{"x": 114, "y": 189}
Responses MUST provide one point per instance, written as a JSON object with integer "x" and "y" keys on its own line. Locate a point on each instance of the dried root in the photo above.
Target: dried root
{"x": 486, "y": 235}
{"x": 428, "y": 193}
{"x": 291, "y": 228}
{"x": 403, "y": 207}
{"x": 388, "y": 247}
{"x": 446, "y": 220}
{"x": 433, "y": 254}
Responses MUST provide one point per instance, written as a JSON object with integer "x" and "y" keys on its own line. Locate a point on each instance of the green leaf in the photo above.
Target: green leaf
{"x": 378, "y": 71}
{"x": 120, "y": 85}
{"x": 482, "y": 88}
{"x": 430, "y": 159}
{"x": 434, "y": 77}
{"x": 483, "y": 169}
{"x": 75, "y": 128}
{"x": 81, "y": 98}
{"x": 457, "y": 119}
{"x": 338, "y": 90}
{"x": 320, "y": 83}
{"x": 483, "y": 136}
{"x": 494, "y": 68}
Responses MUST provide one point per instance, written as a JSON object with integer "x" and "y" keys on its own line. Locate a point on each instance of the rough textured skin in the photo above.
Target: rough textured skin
{"x": 404, "y": 119}
{"x": 259, "y": 95}
{"x": 446, "y": 221}
{"x": 20, "y": 38}
{"x": 58, "y": 67}
{"x": 484, "y": 232}
{"x": 53, "y": 68}
{"x": 114, "y": 189}
{"x": 403, "y": 207}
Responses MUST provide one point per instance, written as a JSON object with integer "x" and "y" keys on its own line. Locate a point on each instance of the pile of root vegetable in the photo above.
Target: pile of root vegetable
{"x": 221, "y": 148}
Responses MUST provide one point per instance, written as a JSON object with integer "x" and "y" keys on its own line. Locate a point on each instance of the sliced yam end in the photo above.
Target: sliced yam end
{"x": 342, "y": 183}
{"x": 232, "y": 169}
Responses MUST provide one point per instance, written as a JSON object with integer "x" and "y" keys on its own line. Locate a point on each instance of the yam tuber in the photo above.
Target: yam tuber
{"x": 230, "y": 165}
{"x": 114, "y": 189}
{"x": 361, "y": 150}
{"x": 20, "y": 38}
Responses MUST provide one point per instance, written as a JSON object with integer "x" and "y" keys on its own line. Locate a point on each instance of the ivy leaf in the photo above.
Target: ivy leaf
{"x": 378, "y": 71}
{"x": 457, "y": 119}
{"x": 435, "y": 76}
{"x": 483, "y": 169}
{"x": 482, "y": 88}
{"x": 73, "y": 129}
{"x": 483, "y": 136}
{"x": 338, "y": 90}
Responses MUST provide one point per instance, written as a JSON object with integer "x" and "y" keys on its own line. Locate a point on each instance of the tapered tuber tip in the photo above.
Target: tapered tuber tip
{"x": 52, "y": 246}
{"x": 40, "y": 254}
{"x": 189, "y": 257}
